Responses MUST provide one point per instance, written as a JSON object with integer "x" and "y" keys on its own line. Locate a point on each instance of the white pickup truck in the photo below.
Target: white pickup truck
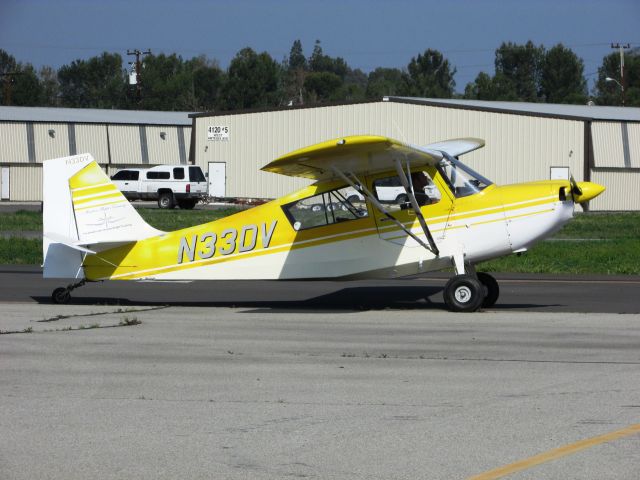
{"x": 170, "y": 185}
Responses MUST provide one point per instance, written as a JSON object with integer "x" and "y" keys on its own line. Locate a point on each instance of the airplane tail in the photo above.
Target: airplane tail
{"x": 83, "y": 214}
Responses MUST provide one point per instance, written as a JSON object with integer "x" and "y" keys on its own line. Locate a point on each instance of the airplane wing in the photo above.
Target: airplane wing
{"x": 456, "y": 146}
{"x": 359, "y": 155}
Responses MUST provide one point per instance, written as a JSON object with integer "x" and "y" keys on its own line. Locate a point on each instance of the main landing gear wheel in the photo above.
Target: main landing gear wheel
{"x": 492, "y": 289}
{"x": 61, "y": 295}
{"x": 464, "y": 293}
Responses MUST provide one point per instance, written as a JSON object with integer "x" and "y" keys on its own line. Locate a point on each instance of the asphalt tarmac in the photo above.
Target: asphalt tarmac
{"x": 111, "y": 392}
{"x": 327, "y": 380}
{"x": 542, "y": 293}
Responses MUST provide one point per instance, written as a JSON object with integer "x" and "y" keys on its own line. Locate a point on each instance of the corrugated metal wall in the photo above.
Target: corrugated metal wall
{"x": 616, "y": 160}
{"x": 622, "y": 190}
{"x": 616, "y": 144}
{"x": 165, "y": 151}
{"x": 125, "y": 144}
{"x": 13, "y": 143}
{"x": 257, "y": 138}
{"x": 31, "y": 143}
{"x": 26, "y": 182}
{"x": 51, "y": 140}
{"x": 93, "y": 139}
{"x": 518, "y": 147}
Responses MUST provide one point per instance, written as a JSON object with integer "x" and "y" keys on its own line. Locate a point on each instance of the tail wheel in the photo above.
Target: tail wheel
{"x": 463, "y": 293}
{"x": 61, "y": 296}
{"x": 491, "y": 287}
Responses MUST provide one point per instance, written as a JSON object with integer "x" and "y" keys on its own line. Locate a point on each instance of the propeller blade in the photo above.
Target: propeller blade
{"x": 575, "y": 189}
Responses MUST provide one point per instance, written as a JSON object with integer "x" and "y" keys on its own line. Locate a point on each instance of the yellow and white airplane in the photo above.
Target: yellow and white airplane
{"x": 379, "y": 208}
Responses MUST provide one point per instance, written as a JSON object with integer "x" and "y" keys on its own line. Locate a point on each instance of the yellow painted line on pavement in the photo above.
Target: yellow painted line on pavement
{"x": 556, "y": 453}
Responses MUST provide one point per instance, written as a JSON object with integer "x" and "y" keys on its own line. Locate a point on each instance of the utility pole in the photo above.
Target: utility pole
{"x": 8, "y": 79}
{"x": 622, "y": 48}
{"x": 138, "y": 70}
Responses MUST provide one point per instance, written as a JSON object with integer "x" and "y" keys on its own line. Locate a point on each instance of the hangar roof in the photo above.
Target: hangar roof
{"x": 93, "y": 115}
{"x": 578, "y": 112}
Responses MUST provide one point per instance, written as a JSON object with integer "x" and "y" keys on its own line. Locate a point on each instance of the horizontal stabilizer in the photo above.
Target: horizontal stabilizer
{"x": 69, "y": 242}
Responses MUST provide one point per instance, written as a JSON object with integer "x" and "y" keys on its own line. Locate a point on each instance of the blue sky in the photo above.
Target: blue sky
{"x": 366, "y": 33}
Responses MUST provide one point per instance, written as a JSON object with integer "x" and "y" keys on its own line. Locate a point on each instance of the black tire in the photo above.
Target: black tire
{"x": 187, "y": 204}
{"x": 402, "y": 198}
{"x": 463, "y": 293}
{"x": 61, "y": 296}
{"x": 165, "y": 200}
{"x": 317, "y": 207}
{"x": 492, "y": 289}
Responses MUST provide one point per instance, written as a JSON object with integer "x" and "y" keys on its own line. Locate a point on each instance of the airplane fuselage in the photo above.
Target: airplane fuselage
{"x": 263, "y": 243}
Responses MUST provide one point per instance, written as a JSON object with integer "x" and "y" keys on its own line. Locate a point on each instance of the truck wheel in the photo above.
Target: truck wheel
{"x": 165, "y": 200}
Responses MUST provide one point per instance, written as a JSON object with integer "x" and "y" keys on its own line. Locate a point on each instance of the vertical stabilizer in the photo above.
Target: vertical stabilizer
{"x": 83, "y": 208}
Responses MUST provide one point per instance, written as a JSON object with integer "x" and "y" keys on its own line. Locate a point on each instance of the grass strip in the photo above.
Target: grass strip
{"x": 607, "y": 257}
{"x": 20, "y": 251}
{"x": 20, "y": 221}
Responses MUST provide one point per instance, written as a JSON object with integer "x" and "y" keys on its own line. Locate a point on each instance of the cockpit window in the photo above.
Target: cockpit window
{"x": 390, "y": 192}
{"x": 338, "y": 205}
{"x": 462, "y": 180}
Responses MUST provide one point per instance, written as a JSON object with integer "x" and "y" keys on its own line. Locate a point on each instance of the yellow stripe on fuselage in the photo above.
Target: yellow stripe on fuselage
{"x": 158, "y": 255}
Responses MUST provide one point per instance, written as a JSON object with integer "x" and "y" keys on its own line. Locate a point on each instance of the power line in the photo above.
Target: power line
{"x": 621, "y": 48}
{"x": 138, "y": 71}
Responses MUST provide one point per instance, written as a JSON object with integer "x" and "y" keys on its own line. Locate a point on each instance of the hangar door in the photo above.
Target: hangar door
{"x": 217, "y": 179}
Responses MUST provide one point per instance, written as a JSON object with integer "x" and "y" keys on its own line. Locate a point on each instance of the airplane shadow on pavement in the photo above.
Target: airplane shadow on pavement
{"x": 349, "y": 298}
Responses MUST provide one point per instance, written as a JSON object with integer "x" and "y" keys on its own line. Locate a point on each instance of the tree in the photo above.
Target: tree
{"x": 485, "y": 87}
{"x": 297, "y": 59}
{"x": 50, "y": 86}
{"x": 19, "y": 83}
{"x": 387, "y": 81}
{"x": 296, "y": 72}
{"x": 95, "y": 83}
{"x": 319, "y": 62}
{"x": 521, "y": 67}
{"x": 252, "y": 81}
{"x": 322, "y": 86}
{"x": 206, "y": 83}
{"x": 609, "y": 93}
{"x": 562, "y": 79}
{"x": 430, "y": 75}
{"x": 166, "y": 84}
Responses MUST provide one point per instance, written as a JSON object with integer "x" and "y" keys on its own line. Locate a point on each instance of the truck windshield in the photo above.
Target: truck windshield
{"x": 462, "y": 180}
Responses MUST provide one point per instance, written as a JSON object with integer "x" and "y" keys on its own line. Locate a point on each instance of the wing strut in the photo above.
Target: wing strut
{"x": 359, "y": 186}
{"x": 414, "y": 204}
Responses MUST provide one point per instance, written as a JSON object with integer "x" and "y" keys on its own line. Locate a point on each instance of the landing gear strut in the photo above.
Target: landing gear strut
{"x": 62, "y": 295}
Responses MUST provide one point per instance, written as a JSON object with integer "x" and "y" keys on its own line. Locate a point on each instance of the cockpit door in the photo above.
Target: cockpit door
{"x": 388, "y": 189}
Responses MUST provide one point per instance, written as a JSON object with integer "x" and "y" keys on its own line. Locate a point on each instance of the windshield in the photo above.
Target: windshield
{"x": 462, "y": 180}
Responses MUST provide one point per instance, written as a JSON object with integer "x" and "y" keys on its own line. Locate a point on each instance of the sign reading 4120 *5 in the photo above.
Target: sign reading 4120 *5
{"x": 218, "y": 133}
